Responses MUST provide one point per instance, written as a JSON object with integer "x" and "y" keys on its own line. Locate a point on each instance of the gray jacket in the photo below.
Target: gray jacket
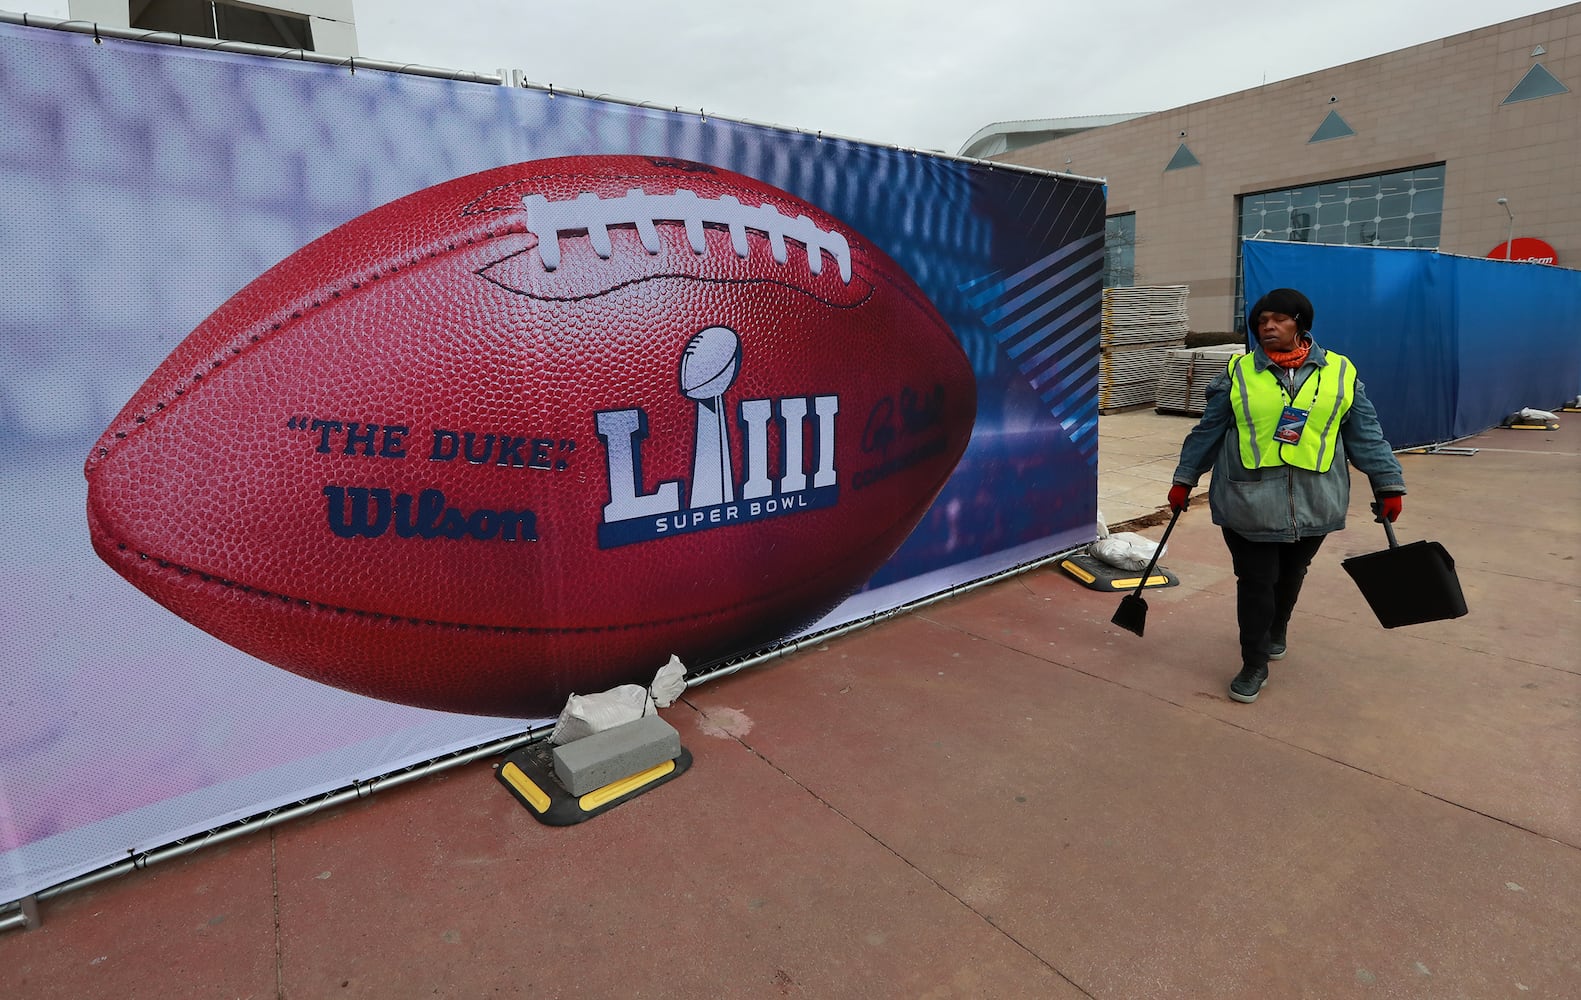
{"x": 1284, "y": 503}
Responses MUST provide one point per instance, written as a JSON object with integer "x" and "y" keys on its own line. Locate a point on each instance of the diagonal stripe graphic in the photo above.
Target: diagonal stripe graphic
{"x": 1047, "y": 318}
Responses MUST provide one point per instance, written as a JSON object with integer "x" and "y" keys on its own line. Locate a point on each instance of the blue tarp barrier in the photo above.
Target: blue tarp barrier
{"x": 1447, "y": 346}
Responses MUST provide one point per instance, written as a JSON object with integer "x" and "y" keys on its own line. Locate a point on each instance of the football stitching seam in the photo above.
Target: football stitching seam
{"x": 379, "y": 616}
{"x": 866, "y": 296}
{"x": 194, "y": 381}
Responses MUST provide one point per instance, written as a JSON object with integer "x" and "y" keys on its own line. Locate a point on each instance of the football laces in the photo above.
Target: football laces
{"x": 587, "y": 212}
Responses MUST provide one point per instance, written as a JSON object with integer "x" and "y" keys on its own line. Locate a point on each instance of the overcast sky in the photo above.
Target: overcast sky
{"x": 915, "y": 73}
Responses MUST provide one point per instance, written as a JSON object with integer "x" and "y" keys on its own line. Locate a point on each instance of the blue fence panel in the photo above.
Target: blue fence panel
{"x": 1520, "y": 339}
{"x": 1447, "y": 346}
{"x": 1386, "y": 310}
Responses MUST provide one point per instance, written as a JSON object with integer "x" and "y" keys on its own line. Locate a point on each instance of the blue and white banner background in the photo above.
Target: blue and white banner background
{"x": 145, "y": 184}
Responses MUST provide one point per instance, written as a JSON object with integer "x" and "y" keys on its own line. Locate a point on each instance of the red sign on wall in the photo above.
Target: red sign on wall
{"x": 1527, "y": 248}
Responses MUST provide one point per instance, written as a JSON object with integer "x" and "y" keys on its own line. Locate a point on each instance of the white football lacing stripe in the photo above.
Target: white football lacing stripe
{"x": 587, "y": 211}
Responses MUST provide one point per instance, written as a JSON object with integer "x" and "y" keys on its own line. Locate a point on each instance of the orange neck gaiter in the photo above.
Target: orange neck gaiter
{"x": 1291, "y": 359}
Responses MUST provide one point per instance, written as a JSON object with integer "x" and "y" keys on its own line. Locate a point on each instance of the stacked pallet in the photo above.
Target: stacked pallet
{"x": 1140, "y": 327}
{"x": 1183, "y": 382}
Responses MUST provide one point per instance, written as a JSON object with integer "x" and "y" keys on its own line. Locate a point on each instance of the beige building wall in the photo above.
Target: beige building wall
{"x": 1437, "y": 102}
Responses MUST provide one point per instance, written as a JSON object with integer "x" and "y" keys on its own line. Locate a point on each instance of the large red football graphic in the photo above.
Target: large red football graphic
{"x": 529, "y": 432}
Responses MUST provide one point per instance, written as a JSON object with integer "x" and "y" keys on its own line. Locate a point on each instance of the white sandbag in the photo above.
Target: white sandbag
{"x": 586, "y": 714}
{"x": 1125, "y": 550}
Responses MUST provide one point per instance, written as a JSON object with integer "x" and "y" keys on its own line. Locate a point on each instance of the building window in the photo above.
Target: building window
{"x": 230, "y": 21}
{"x": 1182, "y": 159}
{"x": 1401, "y": 209}
{"x": 1119, "y": 251}
{"x": 1333, "y": 127}
{"x": 1537, "y": 82}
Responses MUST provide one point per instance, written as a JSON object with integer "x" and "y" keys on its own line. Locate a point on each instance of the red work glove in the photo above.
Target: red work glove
{"x": 1390, "y": 506}
{"x": 1179, "y": 497}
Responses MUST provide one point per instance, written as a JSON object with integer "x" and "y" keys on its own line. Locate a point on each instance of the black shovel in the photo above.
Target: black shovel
{"x": 1131, "y": 615}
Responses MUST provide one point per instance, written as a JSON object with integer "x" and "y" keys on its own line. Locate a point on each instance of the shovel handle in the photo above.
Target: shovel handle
{"x": 1158, "y": 551}
{"x": 1388, "y": 527}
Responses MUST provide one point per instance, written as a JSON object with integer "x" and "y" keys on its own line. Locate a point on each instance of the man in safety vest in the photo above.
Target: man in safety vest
{"x": 1279, "y": 426}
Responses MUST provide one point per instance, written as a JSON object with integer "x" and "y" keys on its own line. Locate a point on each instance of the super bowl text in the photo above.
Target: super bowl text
{"x": 709, "y": 366}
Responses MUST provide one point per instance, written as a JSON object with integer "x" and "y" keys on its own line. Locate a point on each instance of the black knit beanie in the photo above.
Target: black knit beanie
{"x": 1284, "y": 300}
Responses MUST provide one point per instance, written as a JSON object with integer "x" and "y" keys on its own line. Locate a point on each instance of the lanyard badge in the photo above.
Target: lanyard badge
{"x": 1291, "y": 423}
{"x": 1294, "y": 419}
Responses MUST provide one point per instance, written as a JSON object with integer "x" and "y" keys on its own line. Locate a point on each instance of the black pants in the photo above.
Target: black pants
{"x": 1268, "y": 579}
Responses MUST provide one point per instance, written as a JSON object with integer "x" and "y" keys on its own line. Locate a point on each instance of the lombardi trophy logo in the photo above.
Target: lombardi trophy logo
{"x": 708, "y": 367}
{"x": 804, "y": 477}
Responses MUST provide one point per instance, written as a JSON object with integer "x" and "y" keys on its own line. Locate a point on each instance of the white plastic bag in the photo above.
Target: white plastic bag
{"x": 586, "y": 714}
{"x": 668, "y": 683}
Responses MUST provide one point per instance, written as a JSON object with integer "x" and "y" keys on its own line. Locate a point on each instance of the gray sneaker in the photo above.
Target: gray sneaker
{"x": 1248, "y": 684}
{"x": 1276, "y": 647}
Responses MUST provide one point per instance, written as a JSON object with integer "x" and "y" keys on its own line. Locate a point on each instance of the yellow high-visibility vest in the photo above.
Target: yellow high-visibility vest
{"x": 1259, "y": 399}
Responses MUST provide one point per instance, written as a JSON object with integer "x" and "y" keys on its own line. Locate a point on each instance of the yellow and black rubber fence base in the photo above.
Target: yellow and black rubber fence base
{"x": 1095, "y": 574}
{"x": 1520, "y": 421}
{"x": 528, "y": 774}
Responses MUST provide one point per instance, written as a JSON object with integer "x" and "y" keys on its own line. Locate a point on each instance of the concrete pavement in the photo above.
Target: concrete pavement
{"x": 1001, "y": 795}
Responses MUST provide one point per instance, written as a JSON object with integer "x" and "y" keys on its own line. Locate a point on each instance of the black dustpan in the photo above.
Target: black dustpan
{"x": 1131, "y": 615}
{"x": 1407, "y": 584}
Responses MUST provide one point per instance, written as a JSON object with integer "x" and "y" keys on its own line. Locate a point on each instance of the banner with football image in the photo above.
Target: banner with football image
{"x": 354, "y": 418}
